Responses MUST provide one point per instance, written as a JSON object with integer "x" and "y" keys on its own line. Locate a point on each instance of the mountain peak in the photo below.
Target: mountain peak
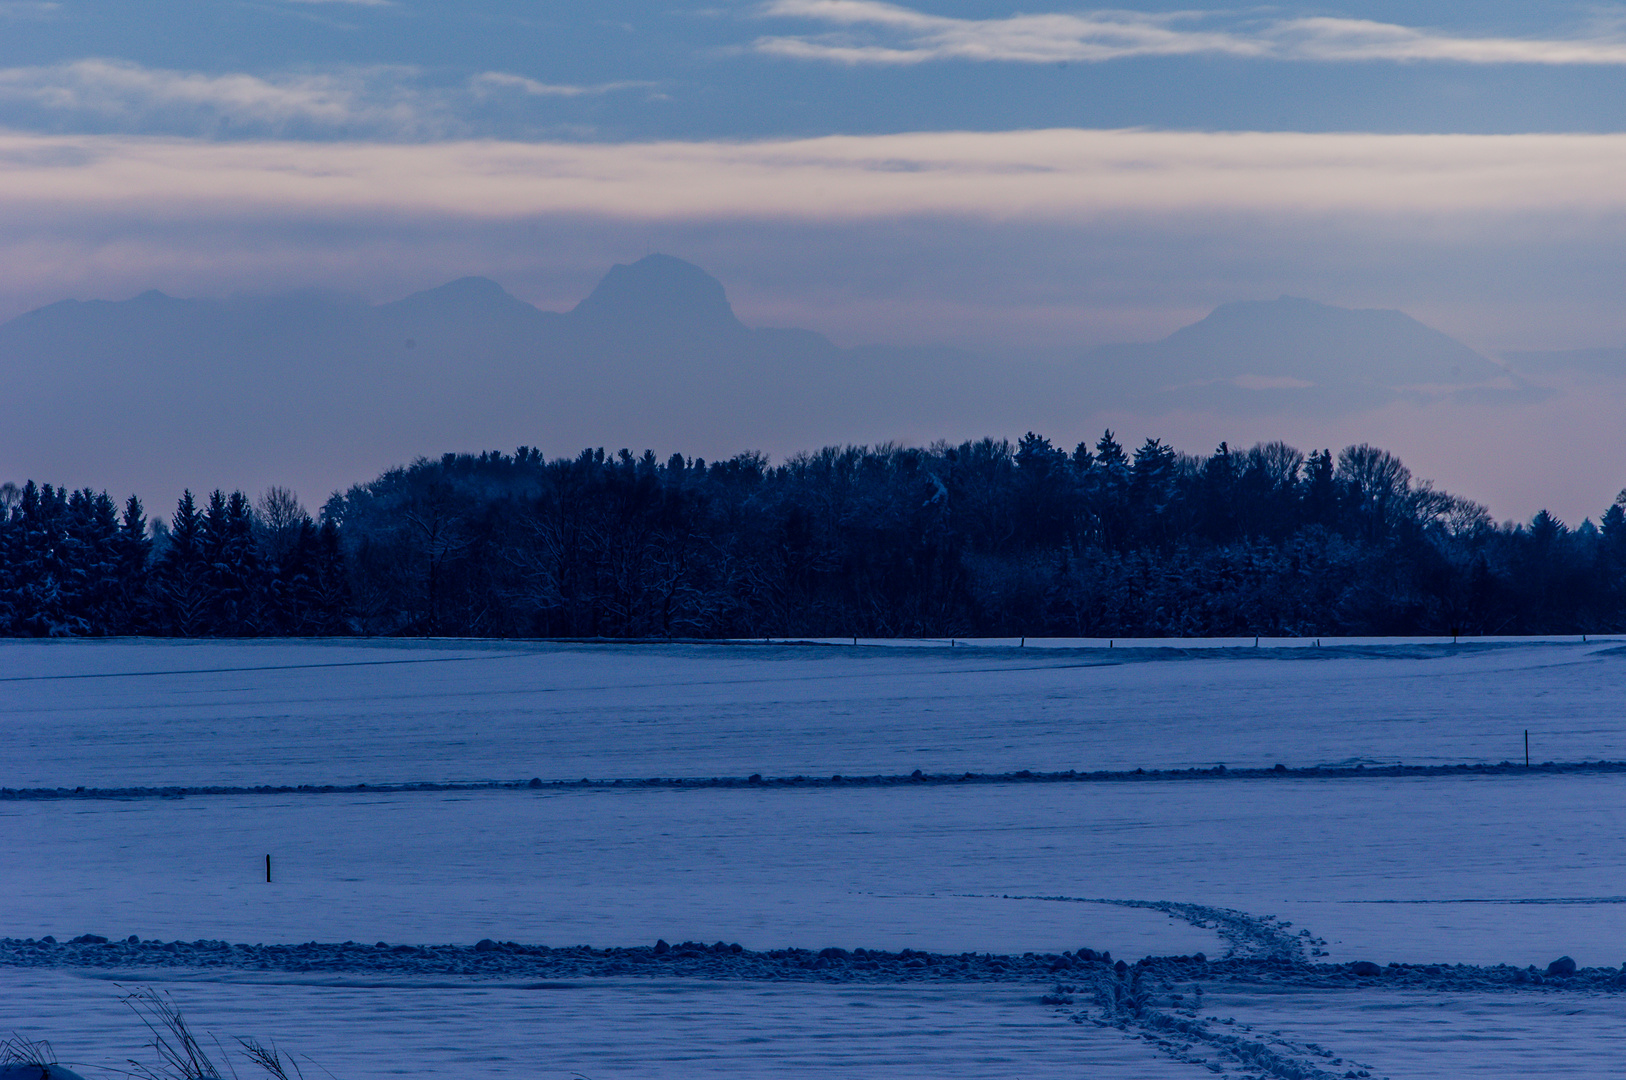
{"x": 466, "y": 303}
{"x": 1255, "y": 354}
{"x": 658, "y": 289}
{"x": 1295, "y": 312}
{"x": 1294, "y": 336}
{"x": 471, "y": 286}
{"x": 464, "y": 291}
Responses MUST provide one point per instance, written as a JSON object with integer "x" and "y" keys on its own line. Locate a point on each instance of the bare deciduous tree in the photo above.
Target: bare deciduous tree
{"x": 277, "y": 520}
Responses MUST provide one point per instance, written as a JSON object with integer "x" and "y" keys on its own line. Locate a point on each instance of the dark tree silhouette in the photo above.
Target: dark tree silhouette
{"x": 979, "y": 538}
{"x": 181, "y": 577}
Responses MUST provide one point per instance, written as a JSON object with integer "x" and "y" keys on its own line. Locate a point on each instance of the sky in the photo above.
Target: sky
{"x": 1026, "y": 181}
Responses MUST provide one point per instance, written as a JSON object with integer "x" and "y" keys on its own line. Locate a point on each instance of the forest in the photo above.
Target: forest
{"x": 982, "y": 538}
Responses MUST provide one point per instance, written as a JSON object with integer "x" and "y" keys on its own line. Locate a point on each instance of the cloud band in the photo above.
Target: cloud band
{"x": 869, "y": 32}
{"x": 1031, "y": 175}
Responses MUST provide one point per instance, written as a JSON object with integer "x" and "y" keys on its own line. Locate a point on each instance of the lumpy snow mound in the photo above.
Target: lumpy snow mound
{"x": 41, "y": 1071}
{"x": 22, "y": 1058}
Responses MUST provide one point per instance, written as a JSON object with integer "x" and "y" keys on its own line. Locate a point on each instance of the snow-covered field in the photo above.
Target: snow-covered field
{"x": 1427, "y": 1036}
{"x": 1420, "y": 871}
{"x": 609, "y": 1029}
{"x": 114, "y": 713}
{"x": 1448, "y": 869}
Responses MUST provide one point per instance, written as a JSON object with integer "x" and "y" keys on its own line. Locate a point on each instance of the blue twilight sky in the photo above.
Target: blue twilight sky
{"x": 1027, "y": 180}
{"x": 614, "y": 70}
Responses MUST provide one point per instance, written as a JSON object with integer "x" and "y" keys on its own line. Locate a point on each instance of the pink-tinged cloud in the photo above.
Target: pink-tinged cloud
{"x": 868, "y": 32}
{"x": 1068, "y": 174}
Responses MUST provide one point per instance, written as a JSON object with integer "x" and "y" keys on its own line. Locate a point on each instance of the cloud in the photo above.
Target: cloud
{"x": 1360, "y": 39}
{"x": 120, "y": 94}
{"x": 1068, "y": 174}
{"x": 499, "y": 80}
{"x": 873, "y": 32}
{"x": 378, "y": 102}
{"x": 915, "y": 37}
{"x": 29, "y": 9}
{"x": 1515, "y": 240}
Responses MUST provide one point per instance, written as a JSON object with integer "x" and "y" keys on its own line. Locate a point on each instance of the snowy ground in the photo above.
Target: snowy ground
{"x": 1470, "y": 869}
{"x": 1426, "y": 1036}
{"x": 1408, "y": 870}
{"x": 118, "y": 713}
{"x": 610, "y": 1029}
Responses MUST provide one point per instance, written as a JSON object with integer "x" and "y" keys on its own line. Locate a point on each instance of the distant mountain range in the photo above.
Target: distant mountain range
{"x": 1297, "y": 355}
{"x": 656, "y": 347}
{"x": 654, "y": 357}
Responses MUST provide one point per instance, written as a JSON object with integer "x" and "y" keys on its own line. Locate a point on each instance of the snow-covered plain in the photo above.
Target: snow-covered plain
{"x": 1409, "y": 870}
{"x": 1426, "y": 1036}
{"x": 610, "y": 1029}
{"x": 116, "y": 713}
{"x": 1473, "y": 869}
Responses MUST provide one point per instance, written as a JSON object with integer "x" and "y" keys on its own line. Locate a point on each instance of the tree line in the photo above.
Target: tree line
{"x": 982, "y": 538}
{"x": 71, "y": 565}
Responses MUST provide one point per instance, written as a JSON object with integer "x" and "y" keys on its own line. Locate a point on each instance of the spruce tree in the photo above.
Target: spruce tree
{"x": 331, "y": 612}
{"x": 181, "y": 584}
{"x": 234, "y": 573}
{"x": 90, "y": 555}
{"x": 11, "y": 559}
{"x": 45, "y": 591}
{"x": 132, "y": 549}
{"x": 291, "y": 583}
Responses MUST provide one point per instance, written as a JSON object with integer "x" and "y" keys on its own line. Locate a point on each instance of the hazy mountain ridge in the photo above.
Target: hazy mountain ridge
{"x": 653, "y": 357}
{"x": 1292, "y": 353}
{"x": 664, "y": 308}
{"x": 657, "y": 337}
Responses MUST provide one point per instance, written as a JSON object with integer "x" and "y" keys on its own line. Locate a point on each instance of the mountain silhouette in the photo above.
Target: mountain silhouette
{"x": 656, "y": 296}
{"x": 317, "y": 384}
{"x": 476, "y": 297}
{"x": 1266, "y": 354}
{"x": 157, "y": 393}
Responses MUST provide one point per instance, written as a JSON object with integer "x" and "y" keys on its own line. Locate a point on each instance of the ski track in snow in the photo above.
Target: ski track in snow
{"x": 1158, "y": 999}
{"x": 1251, "y": 937}
{"x": 1409, "y": 733}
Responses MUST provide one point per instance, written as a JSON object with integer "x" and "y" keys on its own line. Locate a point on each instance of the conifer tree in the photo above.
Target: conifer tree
{"x": 331, "y": 601}
{"x": 234, "y": 572}
{"x": 44, "y": 590}
{"x": 90, "y": 555}
{"x": 9, "y": 494}
{"x": 132, "y": 549}
{"x": 181, "y": 584}
{"x": 1320, "y": 490}
{"x": 1109, "y": 491}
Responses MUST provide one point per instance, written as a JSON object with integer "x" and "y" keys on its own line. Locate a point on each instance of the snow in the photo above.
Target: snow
{"x": 1425, "y": 1036}
{"x": 1409, "y": 870}
{"x": 1444, "y": 869}
{"x": 819, "y": 868}
{"x": 610, "y": 1029}
{"x": 116, "y": 713}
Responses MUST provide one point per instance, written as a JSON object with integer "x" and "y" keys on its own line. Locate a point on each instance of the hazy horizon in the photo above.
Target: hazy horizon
{"x": 1025, "y": 185}
{"x": 1280, "y": 384}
